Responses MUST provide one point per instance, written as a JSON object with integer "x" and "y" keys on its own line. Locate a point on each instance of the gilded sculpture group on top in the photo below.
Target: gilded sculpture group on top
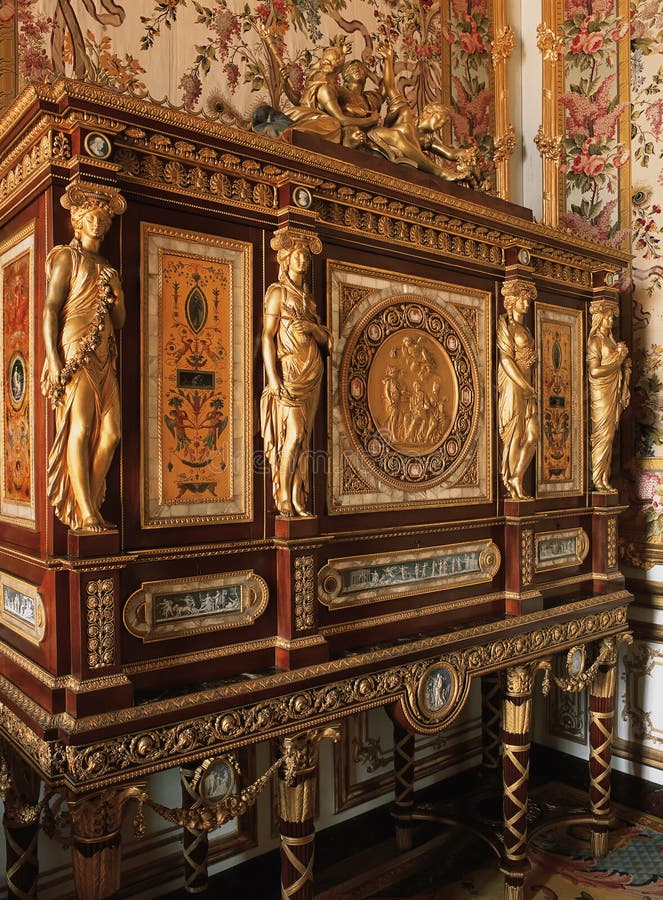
{"x": 336, "y": 104}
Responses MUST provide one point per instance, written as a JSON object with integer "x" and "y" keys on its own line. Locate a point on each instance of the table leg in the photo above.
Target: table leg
{"x": 195, "y": 843}
{"x": 297, "y": 794}
{"x": 403, "y": 786}
{"x": 95, "y": 848}
{"x": 516, "y": 725}
{"x": 601, "y": 711}
{"x": 21, "y": 824}
{"x": 491, "y": 721}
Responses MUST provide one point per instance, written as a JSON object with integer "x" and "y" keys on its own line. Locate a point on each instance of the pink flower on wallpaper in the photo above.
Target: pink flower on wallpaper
{"x": 579, "y": 109}
{"x": 585, "y": 163}
{"x": 654, "y": 115}
{"x": 459, "y": 9}
{"x": 621, "y": 159}
{"x": 472, "y": 116}
{"x": 605, "y": 126}
{"x": 226, "y": 26}
{"x": 191, "y": 88}
{"x": 587, "y": 42}
{"x": 620, "y": 31}
{"x": 603, "y": 7}
{"x": 574, "y": 8}
{"x": 648, "y": 483}
{"x": 471, "y": 41}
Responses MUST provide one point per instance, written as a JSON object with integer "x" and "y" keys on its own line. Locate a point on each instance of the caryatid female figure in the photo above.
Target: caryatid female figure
{"x": 292, "y": 337}
{"x": 609, "y": 371}
{"x": 517, "y": 407}
{"x": 83, "y": 307}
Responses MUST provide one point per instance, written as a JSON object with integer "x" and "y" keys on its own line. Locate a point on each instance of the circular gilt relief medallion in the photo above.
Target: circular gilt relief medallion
{"x": 410, "y": 389}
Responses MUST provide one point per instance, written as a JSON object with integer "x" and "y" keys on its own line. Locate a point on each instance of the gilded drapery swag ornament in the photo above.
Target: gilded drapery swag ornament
{"x": 292, "y": 338}
{"x": 517, "y": 405}
{"x": 609, "y": 373}
{"x": 83, "y": 307}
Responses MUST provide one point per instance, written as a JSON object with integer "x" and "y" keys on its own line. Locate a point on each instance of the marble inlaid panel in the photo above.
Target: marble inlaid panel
{"x": 197, "y": 438}
{"x": 409, "y": 391}
{"x": 17, "y": 374}
{"x": 560, "y": 459}
{"x": 21, "y": 608}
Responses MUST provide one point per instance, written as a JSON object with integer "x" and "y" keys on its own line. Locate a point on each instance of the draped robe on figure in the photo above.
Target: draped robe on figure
{"x": 515, "y": 410}
{"x": 75, "y": 316}
{"x": 302, "y": 370}
{"x": 610, "y": 396}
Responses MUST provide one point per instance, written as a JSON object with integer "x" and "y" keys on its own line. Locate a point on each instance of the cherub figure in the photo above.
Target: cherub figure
{"x": 403, "y": 136}
{"x": 318, "y": 108}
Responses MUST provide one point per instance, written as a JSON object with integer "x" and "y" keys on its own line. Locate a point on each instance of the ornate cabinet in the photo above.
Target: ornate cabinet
{"x": 445, "y": 524}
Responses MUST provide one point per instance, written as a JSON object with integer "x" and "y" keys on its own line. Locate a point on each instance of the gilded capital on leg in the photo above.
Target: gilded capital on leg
{"x": 96, "y": 820}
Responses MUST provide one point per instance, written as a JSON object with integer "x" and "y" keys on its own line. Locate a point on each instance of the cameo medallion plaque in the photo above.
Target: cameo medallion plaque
{"x": 409, "y": 391}
{"x": 410, "y": 386}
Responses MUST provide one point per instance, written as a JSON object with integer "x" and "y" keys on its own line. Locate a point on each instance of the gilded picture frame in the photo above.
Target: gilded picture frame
{"x": 420, "y": 339}
{"x": 359, "y": 580}
{"x": 561, "y": 453}
{"x": 181, "y": 607}
{"x": 17, "y": 374}
{"x": 196, "y": 401}
{"x": 22, "y": 608}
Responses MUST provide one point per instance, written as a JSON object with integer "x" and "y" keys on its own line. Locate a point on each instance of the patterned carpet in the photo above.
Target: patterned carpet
{"x": 562, "y": 864}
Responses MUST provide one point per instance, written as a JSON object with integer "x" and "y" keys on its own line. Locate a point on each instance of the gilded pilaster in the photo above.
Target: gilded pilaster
{"x": 503, "y": 44}
{"x": 550, "y": 137}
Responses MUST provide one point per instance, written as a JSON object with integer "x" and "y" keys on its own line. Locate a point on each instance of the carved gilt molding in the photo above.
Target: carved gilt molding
{"x": 161, "y": 747}
{"x": 100, "y": 618}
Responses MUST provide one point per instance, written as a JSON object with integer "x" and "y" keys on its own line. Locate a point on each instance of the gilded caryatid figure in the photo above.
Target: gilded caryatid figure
{"x": 83, "y": 307}
{"x": 518, "y": 417}
{"x": 609, "y": 372}
{"x": 407, "y": 138}
{"x": 291, "y": 340}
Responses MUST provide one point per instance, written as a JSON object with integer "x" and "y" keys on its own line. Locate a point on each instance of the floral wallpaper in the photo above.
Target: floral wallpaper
{"x": 219, "y": 63}
{"x": 595, "y": 150}
{"x": 646, "y": 469}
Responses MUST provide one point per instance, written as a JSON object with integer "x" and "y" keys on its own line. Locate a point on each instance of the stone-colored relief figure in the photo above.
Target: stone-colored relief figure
{"x": 403, "y": 136}
{"x": 517, "y": 407}
{"x": 84, "y": 304}
{"x": 609, "y": 372}
{"x": 291, "y": 340}
{"x": 318, "y": 107}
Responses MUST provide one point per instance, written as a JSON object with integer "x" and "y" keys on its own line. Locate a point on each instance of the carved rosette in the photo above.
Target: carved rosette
{"x": 410, "y": 391}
